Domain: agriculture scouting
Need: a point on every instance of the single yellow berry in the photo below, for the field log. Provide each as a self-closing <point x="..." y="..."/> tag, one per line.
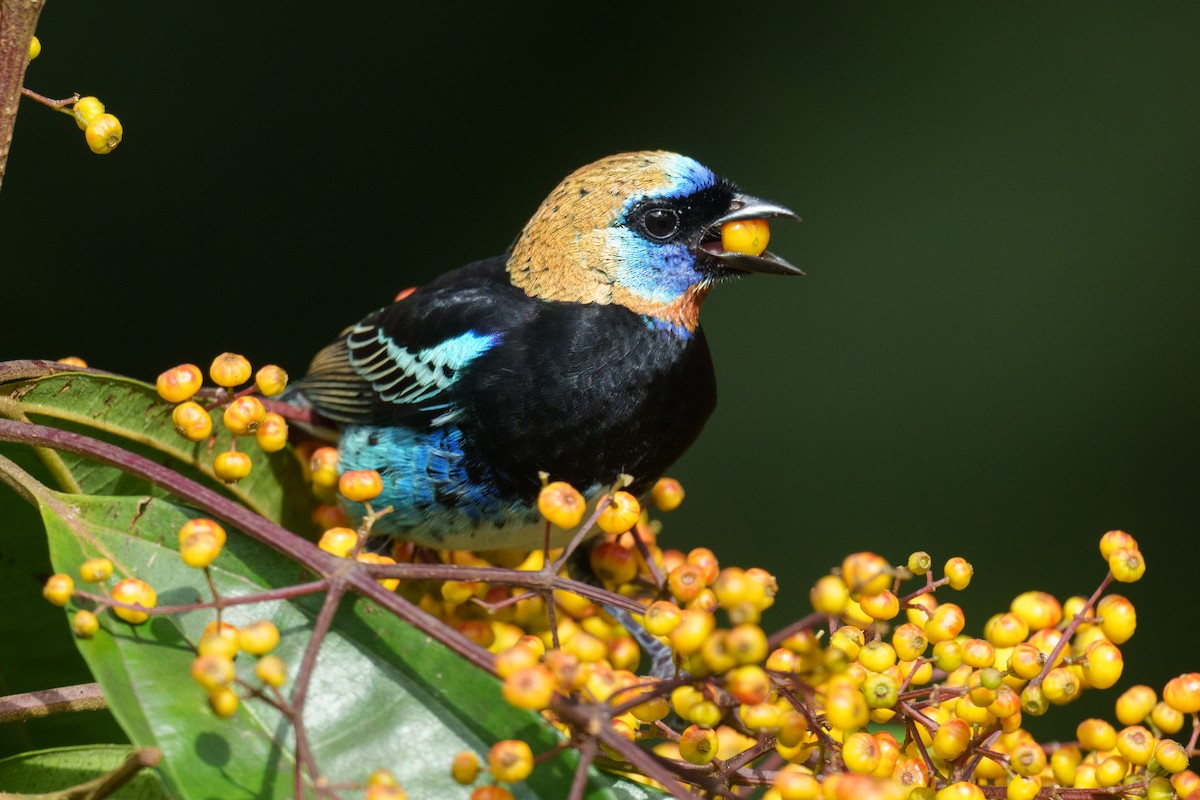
<point x="199" y="549"/>
<point x="1061" y="685"/>
<point x="1027" y="758"/>
<point x="360" y="485"/>
<point x="378" y="792"/>
<point x="1038" y="609"/>
<point x="1182" y="693"/>
<point x="829" y="595"/>
<point x="1127" y="565"/>
<point x="85" y="624"/>
<point x="1114" y="540"/>
<point x="613" y="562"/>
<point x="191" y="421"/>
<point x="951" y="739"/>
<point x="698" y="745"/>
<point x="59" y="588"/>
<point x="202" y="525"/>
<point x="531" y="688"/>
<point x="272" y="433"/>
<point x="211" y="670"/>
<point x="244" y="415"/>
<point x="1171" y="756"/>
<point x="1167" y="719"/>
<point x="224" y="629"/>
<point x="271" y="670"/>
<point x="561" y="504"/>
<point x="103" y="134"/>
<point x="95" y="570"/>
<point x="465" y="768"/>
<point x="1118" y="618"/>
<point x="270" y="380"/>
<point x="72" y="361"/>
<point x="1006" y="630"/>
<point x="510" y="760"/>
<point x="667" y="494"/>
<point x="958" y="572"/>
<point x="323" y="467"/>
<point x="1021" y="787"/>
<point x="882" y="606"/>
<point x="619" y="514"/>
<point x="1103" y="664"/>
<point x="231" y="466"/>
<point x="383" y="778"/>
<point x="339" y="541"/>
<point x="866" y="574"/>
<point x="749" y="236"/>
<point x="963" y="790"/>
<point x="946" y="622"/>
<point x="258" y="638"/>
<point x="35" y="48"/>
<point x="1096" y="734"/>
<point x="229" y="370"/>
<point x="1135" y="704"/>
<point x="662" y="617"/>
<point x="87" y="110"/>
<point x="223" y="701"/>
<point x="134" y="592"/>
<point x="179" y="383"/>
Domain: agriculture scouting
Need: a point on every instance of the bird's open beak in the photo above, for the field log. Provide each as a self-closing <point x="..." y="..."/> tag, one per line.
<point x="746" y="206"/>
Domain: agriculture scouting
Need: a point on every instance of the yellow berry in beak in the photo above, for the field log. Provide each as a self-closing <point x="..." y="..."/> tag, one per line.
<point x="749" y="236"/>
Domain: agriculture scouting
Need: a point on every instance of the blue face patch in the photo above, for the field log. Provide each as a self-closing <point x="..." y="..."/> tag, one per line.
<point x="686" y="176"/>
<point x="658" y="272"/>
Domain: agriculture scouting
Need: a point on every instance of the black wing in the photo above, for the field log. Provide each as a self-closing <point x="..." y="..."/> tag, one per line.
<point x="401" y="363"/>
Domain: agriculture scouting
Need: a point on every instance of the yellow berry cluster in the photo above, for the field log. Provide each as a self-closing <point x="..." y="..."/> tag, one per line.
<point x="101" y="130"/>
<point x="213" y="666"/>
<point x="243" y="415"/>
<point x="60" y="590"/>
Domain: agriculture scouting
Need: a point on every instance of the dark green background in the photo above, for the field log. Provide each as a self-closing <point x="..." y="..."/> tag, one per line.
<point x="994" y="353"/>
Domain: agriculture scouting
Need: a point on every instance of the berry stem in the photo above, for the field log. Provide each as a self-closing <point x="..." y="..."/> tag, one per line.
<point x="57" y="105"/>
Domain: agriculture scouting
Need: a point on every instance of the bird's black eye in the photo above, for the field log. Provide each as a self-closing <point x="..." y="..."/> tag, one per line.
<point x="661" y="223"/>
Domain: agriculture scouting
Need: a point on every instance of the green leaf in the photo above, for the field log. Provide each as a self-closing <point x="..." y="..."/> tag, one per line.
<point x="130" y="413"/>
<point x="36" y="650"/>
<point x="382" y="695"/>
<point x="48" y="771"/>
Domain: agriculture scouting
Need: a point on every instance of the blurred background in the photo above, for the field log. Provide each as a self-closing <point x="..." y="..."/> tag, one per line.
<point x="994" y="353"/>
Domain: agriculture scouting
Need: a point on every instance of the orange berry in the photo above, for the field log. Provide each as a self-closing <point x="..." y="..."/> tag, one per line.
<point x="270" y="380"/>
<point x="95" y="570"/>
<point x="465" y="768"/>
<point x="667" y="494"/>
<point x="748" y="684"/>
<point x="619" y="514"/>
<point x="244" y="415"/>
<point x="179" y="383"/>
<point x="614" y="563"/>
<point x="360" y="485"/>
<point x="561" y="504"/>
<point x="686" y="582"/>
<point x="1182" y="693"/>
<point x="59" y="589"/>
<point x="72" y="361"/>
<point x="191" y="421"/>
<point x="531" y="688"/>
<point x="510" y="760"/>
<point x="749" y="236"/>
<point x="272" y="433"/>
<point x="133" y="592"/>
<point x="229" y="370"/>
<point x="232" y="465"/>
<point x="977" y="653"/>
<point x="103" y="134"/>
<point x="491" y="792"/>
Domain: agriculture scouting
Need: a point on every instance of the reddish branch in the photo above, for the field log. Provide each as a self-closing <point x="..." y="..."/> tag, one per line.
<point x="18" y="21"/>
